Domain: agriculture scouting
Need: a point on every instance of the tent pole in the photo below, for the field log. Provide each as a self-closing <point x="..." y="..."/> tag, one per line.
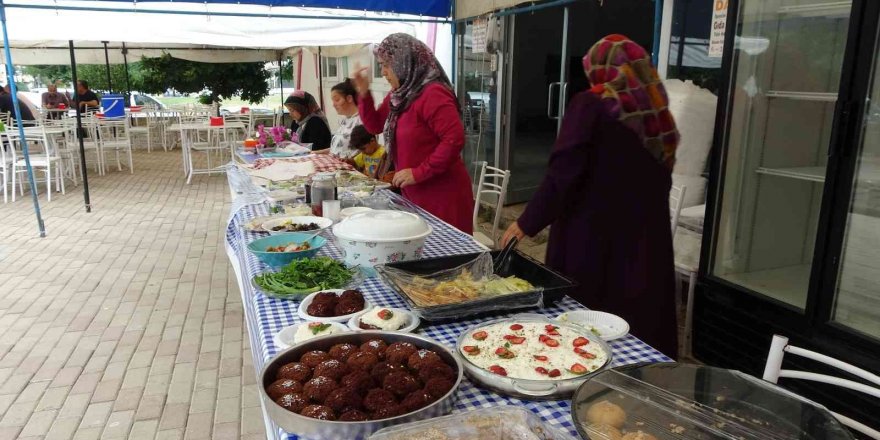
<point x="79" y="130"/>
<point x="10" y="72"/>
<point x="321" y="78"/>
<point x="127" y="78"/>
<point x="453" y="75"/>
<point x="281" y="79"/>
<point x="107" y="61"/>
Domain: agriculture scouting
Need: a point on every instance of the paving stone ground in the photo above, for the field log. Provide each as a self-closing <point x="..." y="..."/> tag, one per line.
<point x="125" y="322"/>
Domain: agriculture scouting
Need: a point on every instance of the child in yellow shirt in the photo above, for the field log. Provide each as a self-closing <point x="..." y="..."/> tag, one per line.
<point x="369" y="160"/>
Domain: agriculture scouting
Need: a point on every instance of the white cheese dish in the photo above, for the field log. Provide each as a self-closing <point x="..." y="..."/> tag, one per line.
<point x="533" y="350"/>
<point x="384" y="319"/>
<point x="295" y="334"/>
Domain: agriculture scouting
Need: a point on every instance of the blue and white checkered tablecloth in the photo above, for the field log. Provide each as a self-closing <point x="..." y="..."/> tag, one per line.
<point x="266" y="316"/>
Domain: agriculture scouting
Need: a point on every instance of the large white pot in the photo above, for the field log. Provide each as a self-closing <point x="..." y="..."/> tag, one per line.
<point x="381" y="236"/>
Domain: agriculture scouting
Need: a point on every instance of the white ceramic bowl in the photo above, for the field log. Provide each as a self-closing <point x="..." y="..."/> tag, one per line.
<point x="381" y="236"/>
<point x="323" y="223"/>
<point x="307" y="301"/>
<point x="607" y="326"/>
<point x="412" y="321"/>
<point x="285" y="338"/>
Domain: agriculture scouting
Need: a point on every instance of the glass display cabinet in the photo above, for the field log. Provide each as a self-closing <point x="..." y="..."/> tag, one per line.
<point x="792" y="238"/>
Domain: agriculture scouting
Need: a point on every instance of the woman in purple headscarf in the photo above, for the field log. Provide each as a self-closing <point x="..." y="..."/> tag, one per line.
<point x="309" y="122"/>
<point x="421" y="121"/>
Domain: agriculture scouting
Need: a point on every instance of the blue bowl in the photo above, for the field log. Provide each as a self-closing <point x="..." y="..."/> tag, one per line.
<point x="278" y="259"/>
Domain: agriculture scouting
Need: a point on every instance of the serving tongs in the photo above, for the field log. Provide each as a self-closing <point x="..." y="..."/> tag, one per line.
<point x="500" y="262"/>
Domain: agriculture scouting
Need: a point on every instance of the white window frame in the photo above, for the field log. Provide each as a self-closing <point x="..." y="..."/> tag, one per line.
<point x="325" y="68"/>
<point x="376" y="71"/>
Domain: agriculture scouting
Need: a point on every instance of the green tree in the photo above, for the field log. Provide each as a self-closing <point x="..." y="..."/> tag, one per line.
<point x="94" y="74"/>
<point x="216" y="80"/>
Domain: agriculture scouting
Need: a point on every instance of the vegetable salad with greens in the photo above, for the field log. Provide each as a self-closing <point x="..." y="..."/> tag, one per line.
<point x="302" y="277"/>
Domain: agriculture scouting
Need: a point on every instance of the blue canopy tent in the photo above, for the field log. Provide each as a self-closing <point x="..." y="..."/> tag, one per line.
<point x="339" y="10"/>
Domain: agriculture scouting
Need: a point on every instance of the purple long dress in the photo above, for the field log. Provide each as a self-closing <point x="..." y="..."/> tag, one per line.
<point x="607" y="199"/>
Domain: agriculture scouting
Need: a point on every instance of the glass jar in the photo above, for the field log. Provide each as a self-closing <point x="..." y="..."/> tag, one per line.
<point x="323" y="188"/>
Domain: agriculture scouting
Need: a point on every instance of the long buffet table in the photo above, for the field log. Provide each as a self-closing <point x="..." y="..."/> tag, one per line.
<point x="266" y="316"/>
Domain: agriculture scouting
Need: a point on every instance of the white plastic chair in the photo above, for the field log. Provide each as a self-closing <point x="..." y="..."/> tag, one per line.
<point x="7" y="165"/>
<point x="773" y="371"/>
<point x="144" y="127"/>
<point x="46" y="161"/>
<point x="491" y="182"/>
<point x="676" y="198"/>
<point x="114" y="136"/>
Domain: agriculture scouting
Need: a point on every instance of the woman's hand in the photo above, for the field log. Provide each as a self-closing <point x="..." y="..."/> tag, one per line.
<point x="404" y="178"/>
<point x="361" y="79"/>
<point x="512" y="231"/>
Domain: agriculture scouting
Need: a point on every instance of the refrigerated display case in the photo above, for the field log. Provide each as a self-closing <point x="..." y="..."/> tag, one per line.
<point x="792" y="238"/>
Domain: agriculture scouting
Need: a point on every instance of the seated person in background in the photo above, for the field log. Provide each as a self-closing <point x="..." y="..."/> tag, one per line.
<point x="309" y="122"/>
<point x="371" y="155"/>
<point x="88" y="100"/>
<point x="6" y="106"/>
<point x="52" y="99"/>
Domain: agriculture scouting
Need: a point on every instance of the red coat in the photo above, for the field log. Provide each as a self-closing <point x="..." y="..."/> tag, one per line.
<point x="430" y="137"/>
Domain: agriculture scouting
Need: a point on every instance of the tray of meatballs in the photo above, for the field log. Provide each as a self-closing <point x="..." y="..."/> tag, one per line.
<point x="346" y="386"/>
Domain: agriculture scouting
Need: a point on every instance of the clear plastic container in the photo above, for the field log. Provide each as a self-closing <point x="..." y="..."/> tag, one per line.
<point x="682" y="401"/>
<point x="496" y="423"/>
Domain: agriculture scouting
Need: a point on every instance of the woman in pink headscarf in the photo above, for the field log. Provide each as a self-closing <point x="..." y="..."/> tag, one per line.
<point x="606" y="193"/>
<point x="421" y="121"/>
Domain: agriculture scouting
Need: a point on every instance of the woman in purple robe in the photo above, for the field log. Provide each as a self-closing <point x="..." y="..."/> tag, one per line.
<point x="606" y="193"/>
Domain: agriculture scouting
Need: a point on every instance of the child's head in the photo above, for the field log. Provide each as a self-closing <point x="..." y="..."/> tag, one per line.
<point x="363" y="141"/>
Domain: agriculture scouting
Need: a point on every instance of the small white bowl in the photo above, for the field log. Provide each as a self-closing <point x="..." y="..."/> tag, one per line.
<point x="284" y="338"/>
<point x="323" y="223"/>
<point x="307" y="301"/>
<point x="608" y="326"/>
<point x="412" y="321"/>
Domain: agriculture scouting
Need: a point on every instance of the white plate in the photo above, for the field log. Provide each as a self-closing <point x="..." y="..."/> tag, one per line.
<point x="284" y="339"/>
<point x="323" y="223"/>
<point x="412" y="321"/>
<point x="610" y="327"/>
<point x="307" y="301"/>
<point x="256" y="224"/>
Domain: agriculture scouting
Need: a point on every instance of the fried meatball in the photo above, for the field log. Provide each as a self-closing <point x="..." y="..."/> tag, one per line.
<point x="378" y="398"/>
<point x="294" y="371"/>
<point x="438" y="387"/>
<point x="353" y="416"/>
<point x="319" y="388"/>
<point x="321" y="310"/>
<point x="383" y="369"/>
<point x="399" y="352"/>
<point x="313" y="358"/>
<point x="347" y="308"/>
<point x="606" y="413"/>
<point x="423" y="357"/>
<point x="343" y="399"/>
<point x="352" y="296"/>
<point x="319" y="412"/>
<point x="431" y="370"/>
<point x="386" y="412"/>
<point x="331" y="368"/>
<point x="363" y="361"/>
<point x="416" y="400"/>
<point x="326" y="298"/>
<point x="377" y="346"/>
<point x="294" y="402"/>
<point x="359" y="381"/>
<point x="401" y="383"/>
<point x="283" y="386"/>
<point x="341" y="352"/>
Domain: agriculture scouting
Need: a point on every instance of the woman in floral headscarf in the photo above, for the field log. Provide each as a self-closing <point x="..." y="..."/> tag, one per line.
<point x="421" y="121"/>
<point x="606" y="193"/>
<point x="309" y="122"/>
